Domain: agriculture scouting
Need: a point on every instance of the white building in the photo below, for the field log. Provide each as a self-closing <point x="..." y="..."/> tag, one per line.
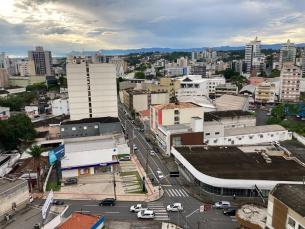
<point x="31" y="110"/>
<point x="4" y="112"/>
<point x="4" y="62"/>
<point x="182" y="62"/>
<point x="287" y="53"/>
<point x="98" y="57"/>
<point x="192" y="91"/>
<point x="216" y="134"/>
<point x="60" y="107"/>
<point x="92" y="88"/>
<point x="232" y="102"/>
<point x="15" y="89"/>
<point x="253" y="56"/>
<point x="42" y="60"/>
<point x="119" y="66"/>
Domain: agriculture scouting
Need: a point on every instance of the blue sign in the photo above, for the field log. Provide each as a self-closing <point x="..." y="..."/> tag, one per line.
<point x="143" y="183"/>
<point x="57" y="154"/>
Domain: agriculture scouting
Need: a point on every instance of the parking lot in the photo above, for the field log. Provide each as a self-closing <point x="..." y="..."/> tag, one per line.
<point x="262" y="117"/>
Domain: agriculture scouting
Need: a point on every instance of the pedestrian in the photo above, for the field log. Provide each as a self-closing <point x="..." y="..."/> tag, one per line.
<point x="234" y="196"/>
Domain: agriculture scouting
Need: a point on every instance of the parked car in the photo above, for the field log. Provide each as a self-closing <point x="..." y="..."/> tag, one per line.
<point x="137" y="208"/>
<point x="146" y="214"/>
<point x="107" y="201"/>
<point x="229" y="211"/>
<point x="58" y="202"/>
<point x="135" y="147"/>
<point x="174" y="207"/>
<point x="125" y="158"/>
<point x="222" y="204"/>
<point x="298" y="116"/>
<point x="159" y="175"/>
<point x="147" y="139"/>
<point x="152" y="153"/>
<point x="36" y="116"/>
<point x="132" y="121"/>
<point x="71" y="181"/>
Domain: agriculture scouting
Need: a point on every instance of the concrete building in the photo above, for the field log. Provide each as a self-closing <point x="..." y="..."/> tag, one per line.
<point x="15" y="89"/>
<point x="265" y="92"/>
<point x="216" y="134"/>
<point x="3" y="78"/>
<point x="177" y="71"/>
<point x="290" y="83"/>
<point x="287" y="53"/>
<point x="98" y="58"/>
<point x="171" y="113"/>
<point x="4" y="113"/>
<point x="42" y="60"/>
<point x="195" y="55"/>
<point x="284" y="208"/>
<point x="303" y="65"/>
<point x="182" y="62"/>
<point x="232" y="102"/>
<point x="180" y="134"/>
<point x="227" y="88"/>
<point x="60" y="107"/>
<point x="101" y="155"/>
<point x="4" y="62"/>
<point x="231" y="119"/>
<point x="253" y="56"/>
<point x="92" y="88"/>
<point x="233" y="170"/>
<point x="119" y="66"/>
<point x="199" y="70"/>
<point x="248" y="90"/>
<point x="202" y="101"/>
<point x="166" y="85"/>
<point x="255" y="80"/>
<point x="14" y="195"/>
<point x="192" y="91"/>
<point x="142" y="99"/>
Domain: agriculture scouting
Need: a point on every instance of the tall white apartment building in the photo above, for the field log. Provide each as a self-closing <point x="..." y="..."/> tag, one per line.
<point x="98" y="57"/>
<point x="290" y="79"/>
<point x="92" y="88"/>
<point x="253" y="56"/>
<point x="195" y="55"/>
<point x="182" y="62"/>
<point x="287" y="53"/>
<point x="4" y="62"/>
<point x="119" y="66"/>
<point x="42" y="60"/>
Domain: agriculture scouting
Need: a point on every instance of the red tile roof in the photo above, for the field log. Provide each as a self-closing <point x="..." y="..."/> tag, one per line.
<point x="80" y="221"/>
<point x="145" y="112"/>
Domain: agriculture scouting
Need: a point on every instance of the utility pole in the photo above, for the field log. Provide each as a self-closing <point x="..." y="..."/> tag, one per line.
<point x="114" y="184"/>
<point x="146" y="161"/>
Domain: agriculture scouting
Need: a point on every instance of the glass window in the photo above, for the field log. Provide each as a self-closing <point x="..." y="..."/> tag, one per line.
<point x="207" y="133"/>
<point x="73" y="128"/>
<point x="62" y="129"/>
<point x="177" y="141"/>
<point x="216" y="132"/>
<point x="95" y="127"/>
<point x="291" y="222"/>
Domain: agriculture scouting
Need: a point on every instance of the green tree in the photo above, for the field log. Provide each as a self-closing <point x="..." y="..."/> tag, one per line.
<point x="275" y="73"/>
<point x="133" y="113"/>
<point x="139" y="75"/>
<point x="273" y="120"/>
<point x="279" y="111"/>
<point x="229" y="73"/>
<point x="63" y="81"/>
<point x="5" y="136"/>
<point x="35" y="152"/>
<point x="263" y="74"/>
<point x="173" y="99"/>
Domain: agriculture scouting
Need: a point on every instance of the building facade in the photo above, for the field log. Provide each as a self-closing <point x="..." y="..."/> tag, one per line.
<point x="253" y="56"/>
<point x="60" y="107"/>
<point x="4" y="113"/>
<point x="3" y="78"/>
<point x="98" y="58"/>
<point x="290" y="82"/>
<point x="182" y="62"/>
<point x="166" y="85"/>
<point x="92" y="88"/>
<point x="265" y="92"/>
<point x="287" y="53"/>
<point x="227" y="88"/>
<point x="42" y="60"/>
<point x="119" y="66"/>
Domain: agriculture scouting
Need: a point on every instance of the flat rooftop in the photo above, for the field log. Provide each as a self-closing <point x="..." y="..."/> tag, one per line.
<point x="91" y="120"/>
<point x="233" y="163"/>
<point x="292" y="195"/>
<point x="253" y="130"/>
<point x="173" y="106"/>
<point x="230" y="102"/>
<point x="218" y="115"/>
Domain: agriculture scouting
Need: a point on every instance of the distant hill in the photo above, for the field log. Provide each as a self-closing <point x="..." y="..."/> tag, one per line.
<point x="169" y="50"/>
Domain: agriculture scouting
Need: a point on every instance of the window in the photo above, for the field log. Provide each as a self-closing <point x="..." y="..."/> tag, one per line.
<point x="95" y="127"/>
<point x="176" y="119"/>
<point x="301" y="227"/>
<point x="62" y="129"/>
<point x="85" y="128"/>
<point x="291" y="222"/>
<point x="207" y="134"/>
<point x="176" y="112"/>
<point x="177" y="141"/>
<point x="73" y="128"/>
<point x="216" y="133"/>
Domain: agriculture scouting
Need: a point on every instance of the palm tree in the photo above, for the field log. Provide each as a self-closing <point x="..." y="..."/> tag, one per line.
<point x="35" y="152"/>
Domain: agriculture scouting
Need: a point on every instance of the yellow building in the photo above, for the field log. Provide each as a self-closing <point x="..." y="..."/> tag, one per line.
<point x="166" y="85"/>
<point x="265" y="92"/>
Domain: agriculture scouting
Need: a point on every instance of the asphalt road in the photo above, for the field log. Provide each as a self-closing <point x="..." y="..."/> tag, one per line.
<point x="174" y="192"/>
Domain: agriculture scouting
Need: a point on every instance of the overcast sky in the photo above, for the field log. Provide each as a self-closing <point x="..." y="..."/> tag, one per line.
<point x="65" y="25"/>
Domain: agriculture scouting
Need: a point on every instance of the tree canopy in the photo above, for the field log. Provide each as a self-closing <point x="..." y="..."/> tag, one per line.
<point x="139" y="75"/>
<point x="37" y="87"/>
<point x="15" y="102"/>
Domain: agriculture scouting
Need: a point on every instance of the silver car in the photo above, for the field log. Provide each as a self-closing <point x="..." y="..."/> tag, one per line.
<point x="222" y="204"/>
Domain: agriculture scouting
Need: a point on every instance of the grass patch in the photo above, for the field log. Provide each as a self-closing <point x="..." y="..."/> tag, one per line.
<point x="53" y="185"/>
<point x="139" y="181"/>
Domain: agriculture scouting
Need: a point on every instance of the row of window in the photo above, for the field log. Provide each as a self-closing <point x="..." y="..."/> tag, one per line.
<point x="216" y="133"/>
<point x="84" y="127"/>
<point x="291" y="222"/>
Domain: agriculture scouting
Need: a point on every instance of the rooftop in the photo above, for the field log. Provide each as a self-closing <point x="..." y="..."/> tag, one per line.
<point x="250" y="88"/>
<point x="253" y="213"/>
<point x="91" y="120"/>
<point x="177" y="128"/>
<point x="29" y="163"/>
<point x="52" y="121"/>
<point x="12" y="87"/>
<point x="233" y="163"/>
<point x="145" y="112"/>
<point x="169" y="106"/>
<point x="291" y="195"/>
<point x="139" y="92"/>
<point x="253" y="130"/>
<point x="230" y="102"/>
<point x="80" y="221"/>
<point x="199" y="100"/>
<point x="89" y="145"/>
<point x="217" y="115"/>
<point x="42" y="134"/>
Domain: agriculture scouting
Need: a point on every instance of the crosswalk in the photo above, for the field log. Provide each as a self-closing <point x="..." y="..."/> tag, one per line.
<point x="159" y="210"/>
<point x="176" y="192"/>
<point x="233" y="218"/>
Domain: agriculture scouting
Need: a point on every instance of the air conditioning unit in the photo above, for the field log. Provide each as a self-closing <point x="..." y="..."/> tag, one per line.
<point x="7" y="217"/>
<point x="37" y="226"/>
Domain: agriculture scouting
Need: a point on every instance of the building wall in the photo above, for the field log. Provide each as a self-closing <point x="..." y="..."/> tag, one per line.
<point x="110" y="127"/>
<point x="3" y="78"/>
<point x="140" y="102"/>
<point x="188" y="138"/>
<point x="79" y="130"/>
<point x="16" y="90"/>
<point x="53" y="131"/>
<point x="192" y="92"/>
<point x="210" y="131"/>
<point x="4" y="112"/>
<point x="265" y="92"/>
<point x="237" y="122"/>
<point x="159" y="98"/>
<point x="70" y="173"/>
<point x="60" y="106"/>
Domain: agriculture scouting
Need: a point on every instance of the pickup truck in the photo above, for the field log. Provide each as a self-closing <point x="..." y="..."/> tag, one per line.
<point x="138" y="208"/>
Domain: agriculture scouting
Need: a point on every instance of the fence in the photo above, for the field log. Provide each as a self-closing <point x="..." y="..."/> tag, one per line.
<point x="299" y="138"/>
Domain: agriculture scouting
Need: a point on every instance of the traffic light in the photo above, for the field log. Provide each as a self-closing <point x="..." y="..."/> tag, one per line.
<point x="174" y="174"/>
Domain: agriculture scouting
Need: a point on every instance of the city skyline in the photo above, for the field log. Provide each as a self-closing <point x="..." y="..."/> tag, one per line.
<point x="63" y="25"/>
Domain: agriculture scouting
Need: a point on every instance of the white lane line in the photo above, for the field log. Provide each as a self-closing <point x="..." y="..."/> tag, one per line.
<point x="178" y="192"/>
<point x="170" y="192"/>
<point x="112" y="212"/>
<point x="82" y="211"/>
<point x="181" y="193"/>
<point x="167" y="193"/>
<point x="91" y="205"/>
<point x="234" y="219"/>
<point x="161" y="218"/>
<point x="185" y="193"/>
<point x="174" y="192"/>
<point x="160" y="211"/>
<point x="167" y="185"/>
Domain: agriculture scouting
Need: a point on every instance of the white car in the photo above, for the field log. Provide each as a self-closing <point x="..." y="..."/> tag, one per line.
<point x="152" y="153"/>
<point x="222" y="204"/>
<point x="137" y="208"/>
<point x="146" y="214"/>
<point x="159" y="175"/>
<point x="135" y="147"/>
<point x="174" y="207"/>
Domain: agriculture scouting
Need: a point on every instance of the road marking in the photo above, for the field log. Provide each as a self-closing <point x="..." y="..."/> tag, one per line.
<point x="112" y="212"/>
<point x="178" y="192"/>
<point x="170" y="192"/>
<point x="167" y="193"/>
<point x="158" y="213"/>
<point x="185" y="193"/>
<point x="82" y="211"/>
<point x="181" y="193"/>
<point x="174" y="192"/>
<point x="90" y="205"/>
<point x="167" y="185"/>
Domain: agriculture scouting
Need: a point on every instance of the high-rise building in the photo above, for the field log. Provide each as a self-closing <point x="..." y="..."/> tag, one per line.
<point x="303" y="65"/>
<point x="98" y="57"/>
<point x="92" y="88"/>
<point x="290" y="79"/>
<point x="182" y="62"/>
<point x="3" y="78"/>
<point x="4" y="62"/>
<point x="195" y="55"/>
<point x="200" y="70"/>
<point x="287" y="53"/>
<point x="253" y="56"/>
<point x="119" y="66"/>
<point x="42" y="60"/>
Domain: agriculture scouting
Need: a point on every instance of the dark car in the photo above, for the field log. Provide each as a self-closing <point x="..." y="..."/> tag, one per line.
<point x="229" y="211"/>
<point x="147" y="139"/>
<point x="71" y="181"/>
<point x="57" y="202"/>
<point x="107" y="201"/>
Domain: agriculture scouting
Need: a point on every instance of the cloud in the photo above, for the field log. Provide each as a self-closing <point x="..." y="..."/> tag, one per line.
<point x="161" y="18"/>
